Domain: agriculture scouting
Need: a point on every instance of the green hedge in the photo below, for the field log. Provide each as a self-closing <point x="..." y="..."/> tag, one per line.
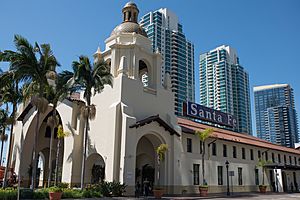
<point x="97" y="190"/>
<point x="8" y="194"/>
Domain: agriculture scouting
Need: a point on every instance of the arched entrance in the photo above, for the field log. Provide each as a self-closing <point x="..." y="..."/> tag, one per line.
<point x="146" y="163"/>
<point x="284" y="182"/>
<point x="95" y="169"/>
<point x="42" y="149"/>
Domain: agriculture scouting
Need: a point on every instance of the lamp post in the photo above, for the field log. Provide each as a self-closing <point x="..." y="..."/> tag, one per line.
<point x="227" y="166"/>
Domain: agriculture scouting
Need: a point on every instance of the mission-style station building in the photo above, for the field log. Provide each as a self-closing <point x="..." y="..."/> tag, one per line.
<point x="133" y="118"/>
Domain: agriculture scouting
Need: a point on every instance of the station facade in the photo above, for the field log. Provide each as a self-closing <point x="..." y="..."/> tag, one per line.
<point x="133" y="118"/>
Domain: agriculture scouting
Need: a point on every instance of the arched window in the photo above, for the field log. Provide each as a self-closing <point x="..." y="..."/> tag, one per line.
<point x="143" y="73"/>
<point x="48" y="132"/>
<point x="129" y="16"/>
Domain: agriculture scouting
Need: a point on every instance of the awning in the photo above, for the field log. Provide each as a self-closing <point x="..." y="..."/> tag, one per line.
<point x="157" y="119"/>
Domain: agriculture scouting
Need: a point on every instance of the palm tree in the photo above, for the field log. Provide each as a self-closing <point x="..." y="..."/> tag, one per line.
<point x="203" y="136"/>
<point x="3" y="136"/>
<point x="262" y="163"/>
<point x="31" y="65"/>
<point x="160" y="151"/>
<point x="60" y="136"/>
<point x="13" y="95"/>
<point x="91" y="78"/>
<point x="55" y="94"/>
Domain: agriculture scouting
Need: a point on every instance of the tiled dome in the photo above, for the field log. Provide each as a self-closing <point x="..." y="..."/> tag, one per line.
<point x="129" y="27"/>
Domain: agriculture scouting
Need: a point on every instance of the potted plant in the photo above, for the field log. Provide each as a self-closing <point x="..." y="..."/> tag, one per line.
<point x="203" y="135"/>
<point x="160" y="151"/>
<point x="55" y="193"/>
<point x="262" y="163"/>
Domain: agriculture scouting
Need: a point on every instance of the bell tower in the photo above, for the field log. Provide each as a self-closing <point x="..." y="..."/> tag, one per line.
<point x="130" y="51"/>
<point x="137" y="94"/>
<point x="130" y="12"/>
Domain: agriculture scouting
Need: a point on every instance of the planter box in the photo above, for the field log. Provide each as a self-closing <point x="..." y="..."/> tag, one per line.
<point x="158" y="193"/>
<point x="55" y="195"/>
<point x="203" y="191"/>
<point x="262" y="188"/>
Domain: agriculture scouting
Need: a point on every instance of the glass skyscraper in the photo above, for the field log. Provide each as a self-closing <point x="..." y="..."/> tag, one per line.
<point x="224" y="85"/>
<point x="276" y="117"/>
<point x="166" y="33"/>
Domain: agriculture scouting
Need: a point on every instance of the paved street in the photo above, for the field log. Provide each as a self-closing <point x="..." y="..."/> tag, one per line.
<point x="250" y="196"/>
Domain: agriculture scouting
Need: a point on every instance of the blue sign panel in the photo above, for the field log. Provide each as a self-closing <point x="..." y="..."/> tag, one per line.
<point x="197" y="111"/>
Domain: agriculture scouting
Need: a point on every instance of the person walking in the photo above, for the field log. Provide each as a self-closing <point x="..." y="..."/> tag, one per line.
<point x="137" y="189"/>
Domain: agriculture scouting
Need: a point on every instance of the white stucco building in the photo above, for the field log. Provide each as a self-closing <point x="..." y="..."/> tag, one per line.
<point x="133" y="118"/>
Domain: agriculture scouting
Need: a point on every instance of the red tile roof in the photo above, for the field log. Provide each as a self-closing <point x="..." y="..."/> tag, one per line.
<point x="234" y="136"/>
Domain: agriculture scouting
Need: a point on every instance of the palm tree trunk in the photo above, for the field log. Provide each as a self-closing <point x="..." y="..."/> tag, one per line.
<point x="84" y="146"/>
<point x="34" y="157"/>
<point x="57" y="162"/>
<point x="10" y="147"/>
<point x="21" y="153"/>
<point x="263" y="176"/>
<point x="203" y="171"/>
<point x="51" y="144"/>
<point x="84" y="151"/>
<point x="158" y="172"/>
<point x="1" y="151"/>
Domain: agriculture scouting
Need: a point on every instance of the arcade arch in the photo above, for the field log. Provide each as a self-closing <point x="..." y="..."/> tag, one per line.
<point x="42" y="149"/>
<point x="146" y="161"/>
<point x="95" y="168"/>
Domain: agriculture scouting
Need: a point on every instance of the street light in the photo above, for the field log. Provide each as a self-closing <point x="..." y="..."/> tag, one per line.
<point x="227" y="166"/>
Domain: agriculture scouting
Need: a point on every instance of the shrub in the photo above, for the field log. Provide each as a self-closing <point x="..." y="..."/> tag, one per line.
<point x="8" y="194"/>
<point x="55" y="189"/>
<point x="108" y="189"/>
<point x="71" y="193"/>
<point x="117" y="189"/>
<point x="41" y="193"/>
<point x="86" y="194"/>
<point x="105" y="189"/>
<point x="26" y="193"/>
<point x="91" y="192"/>
<point x="63" y="185"/>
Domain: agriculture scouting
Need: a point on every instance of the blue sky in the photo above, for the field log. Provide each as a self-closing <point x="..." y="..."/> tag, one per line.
<point x="266" y="34"/>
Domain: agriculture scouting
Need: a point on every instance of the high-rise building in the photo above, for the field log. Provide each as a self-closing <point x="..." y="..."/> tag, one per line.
<point x="276" y="117"/>
<point x="166" y="33"/>
<point x="224" y="85"/>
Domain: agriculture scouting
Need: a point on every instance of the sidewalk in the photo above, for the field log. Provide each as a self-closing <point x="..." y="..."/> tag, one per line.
<point x="220" y="196"/>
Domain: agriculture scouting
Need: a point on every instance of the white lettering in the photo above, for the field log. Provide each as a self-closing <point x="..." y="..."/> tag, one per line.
<point x="208" y="115"/>
<point x="229" y="119"/>
<point x="234" y="123"/>
<point x="214" y="116"/>
<point x="220" y="118"/>
<point x="193" y="109"/>
<point x="201" y="113"/>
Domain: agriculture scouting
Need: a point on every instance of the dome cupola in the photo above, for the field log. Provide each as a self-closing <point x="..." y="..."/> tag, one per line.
<point x="130" y="18"/>
<point x="130" y="12"/>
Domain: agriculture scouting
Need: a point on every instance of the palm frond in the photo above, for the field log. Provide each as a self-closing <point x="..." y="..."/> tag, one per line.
<point x="161" y="151"/>
<point x="203" y="135"/>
